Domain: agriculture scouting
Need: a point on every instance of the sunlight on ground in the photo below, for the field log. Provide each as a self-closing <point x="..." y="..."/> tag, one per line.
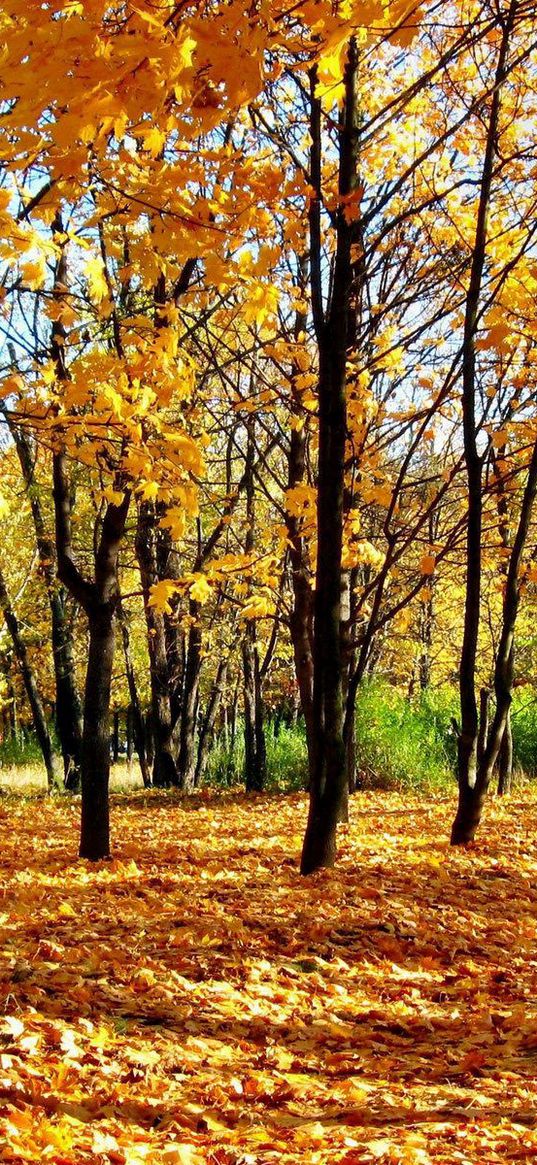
<point x="33" y="777"/>
<point x="196" y="1001"/>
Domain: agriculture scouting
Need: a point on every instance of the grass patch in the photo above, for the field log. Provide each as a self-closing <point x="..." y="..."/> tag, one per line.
<point x="402" y="743"/>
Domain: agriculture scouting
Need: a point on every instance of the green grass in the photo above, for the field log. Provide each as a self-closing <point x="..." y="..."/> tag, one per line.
<point x="287" y="765"/>
<point x="402" y="743"/>
<point x="22" y="750"/>
<point x="524" y="724"/>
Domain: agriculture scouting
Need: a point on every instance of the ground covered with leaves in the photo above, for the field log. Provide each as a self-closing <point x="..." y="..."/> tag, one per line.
<point x="195" y="1000"/>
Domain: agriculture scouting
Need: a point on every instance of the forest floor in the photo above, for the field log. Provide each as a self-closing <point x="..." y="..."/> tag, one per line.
<point x="195" y="1001"/>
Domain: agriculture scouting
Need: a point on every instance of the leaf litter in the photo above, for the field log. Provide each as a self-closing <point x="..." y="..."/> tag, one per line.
<point x="195" y="1000"/>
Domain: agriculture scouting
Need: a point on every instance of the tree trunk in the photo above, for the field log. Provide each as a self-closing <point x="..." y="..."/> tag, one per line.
<point x="328" y="773"/>
<point x="149" y="741"/>
<point x="505" y="759"/>
<point x="186" y="764"/>
<point x="95" y="825"/>
<point x="255" y="755"/>
<point x="30" y="684"/>
<point x="474" y="772"/>
<point x="135" y="718"/>
<point x="68" y="705"/>
<point x="164" y="767"/>
<point x="301" y="620"/>
<point x="130" y="735"/>
<point x="115" y="738"/>
<point x="207" y="728"/>
<point x="99" y="599"/>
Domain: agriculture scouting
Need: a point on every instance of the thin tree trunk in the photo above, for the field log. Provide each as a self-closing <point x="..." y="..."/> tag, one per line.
<point x="149" y="738"/>
<point x="99" y="599"/>
<point x="68" y="704"/>
<point x="328" y="776"/>
<point x="301" y="620"/>
<point x="164" y="767"/>
<point x="95" y="825"/>
<point x="186" y="764"/>
<point x="505" y="758"/>
<point x="135" y="718"/>
<point x="130" y="735"/>
<point x="255" y="756"/>
<point x="115" y="738"/>
<point x="472" y="791"/>
<point x="209" y="721"/>
<point x="30" y="684"/>
<point x="473" y="796"/>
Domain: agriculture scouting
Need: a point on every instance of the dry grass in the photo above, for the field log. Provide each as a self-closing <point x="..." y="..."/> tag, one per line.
<point x="32" y="778"/>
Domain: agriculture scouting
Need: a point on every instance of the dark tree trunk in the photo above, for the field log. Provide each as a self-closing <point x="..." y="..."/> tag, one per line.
<point x="233" y="720"/>
<point x="209" y="721"/>
<point x="328" y="774"/>
<point x="426" y="639"/>
<point x="167" y="563"/>
<point x="30" y="684"/>
<point x="164" y="767"/>
<point x="186" y="764"/>
<point x="99" y="599"/>
<point x="135" y="718"/>
<point x="505" y="756"/>
<point x="474" y="772"/>
<point x="149" y="740"/>
<point x="255" y="755"/>
<point x="14" y="728"/>
<point x="115" y="738"/>
<point x="95" y="825"/>
<point x="472" y="795"/>
<point x="130" y="734"/>
<point x="505" y="759"/>
<point x="68" y="704"/>
<point x="350" y="744"/>
<point x="301" y="620"/>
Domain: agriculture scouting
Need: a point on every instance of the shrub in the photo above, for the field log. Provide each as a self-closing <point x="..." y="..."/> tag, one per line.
<point x="402" y="743"/>
<point x="287" y="764"/>
<point x="21" y="750"/>
<point x="524" y="725"/>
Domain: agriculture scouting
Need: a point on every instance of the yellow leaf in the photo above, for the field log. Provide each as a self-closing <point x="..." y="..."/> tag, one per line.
<point x="65" y="910"/>
<point x="200" y="589"/>
<point x="161" y="593"/>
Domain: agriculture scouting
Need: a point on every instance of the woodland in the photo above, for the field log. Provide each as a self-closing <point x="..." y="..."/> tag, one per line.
<point x="268" y="581"/>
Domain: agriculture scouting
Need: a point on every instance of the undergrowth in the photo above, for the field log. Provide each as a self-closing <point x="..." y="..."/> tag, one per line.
<point x="401" y="744"/>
